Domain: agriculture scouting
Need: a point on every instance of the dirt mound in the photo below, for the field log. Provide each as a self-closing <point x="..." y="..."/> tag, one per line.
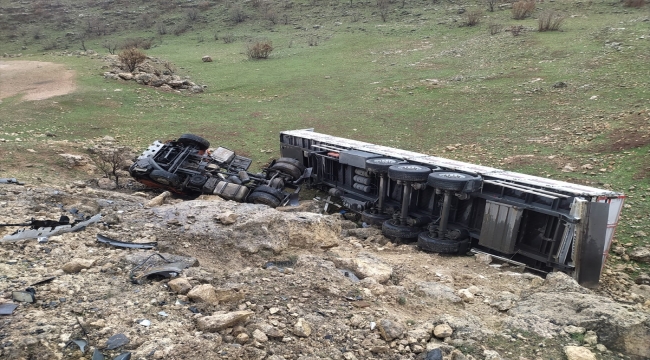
<point x="37" y="80"/>
<point x="250" y="282"/>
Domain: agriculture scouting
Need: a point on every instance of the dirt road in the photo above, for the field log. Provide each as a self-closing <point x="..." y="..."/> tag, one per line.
<point x="36" y="80"/>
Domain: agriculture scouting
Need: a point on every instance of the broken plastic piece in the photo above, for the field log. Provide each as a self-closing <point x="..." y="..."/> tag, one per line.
<point x="106" y="240"/>
<point x="171" y="269"/>
<point x="97" y="355"/>
<point x="81" y="343"/>
<point x="47" y="228"/>
<point x="11" y="181"/>
<point x="116" y="341"/>
<point x="44" y="281"/>
<point x="145" y="323"/>
<point x="24" y="296"/>
<point x="7" y="308"/>
<point x="123" y="356"/>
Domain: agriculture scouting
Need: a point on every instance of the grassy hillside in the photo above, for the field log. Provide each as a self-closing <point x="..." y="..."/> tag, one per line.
<point x="421" y="80"/>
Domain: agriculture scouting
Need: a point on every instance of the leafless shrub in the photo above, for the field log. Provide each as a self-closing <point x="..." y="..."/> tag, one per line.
<point x="495" y="28"/>
<point x="285" y="19"/>
<point x="38" y="33"/>
<point x="260" y="49"/>
<point x="146" y="21"/>
<point x="161" y="28"/>
<point x="356" y="16"/>
<point x="237" y="14"/>
<point x="181" y="28"/>
<point x="203" y="6"/>
<point x="256" y="3"/>
<point x="96" y="26"/>
<point x="110" y="45"/>
<point x="200" y="38"/>
<point x="271" y="16"/>
<point x="50" y="45"/>
<point x="131" y="58"/>
<point x="550" y="21"/>
<point x="228" y="38"/>
<point x="287" y="4"/>
<point x="516" y="30"/>
<point x="140" y="43"/>
<point x="169" y="67"/>
<point x="312" y="40"/>
<point x="491" y="4"/>
<point x="522" y="9"/>
<point x="383" y="8"/>
<point x="473" y="17"/>
<point x="193" y="14"/>
<point x="634" y="3"/>
<point x="110" y="161"/>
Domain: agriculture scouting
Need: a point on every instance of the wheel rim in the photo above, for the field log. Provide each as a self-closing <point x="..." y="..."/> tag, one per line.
<point x="452" y="175"/>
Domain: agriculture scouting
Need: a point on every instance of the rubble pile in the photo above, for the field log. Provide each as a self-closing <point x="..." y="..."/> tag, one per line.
<point x="244" y="281"/>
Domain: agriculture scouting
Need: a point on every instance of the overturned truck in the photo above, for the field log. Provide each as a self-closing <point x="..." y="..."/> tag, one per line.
<point x="450" y="206"/>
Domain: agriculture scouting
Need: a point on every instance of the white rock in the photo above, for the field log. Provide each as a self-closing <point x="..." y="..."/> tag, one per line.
<point x="578" y="353"/>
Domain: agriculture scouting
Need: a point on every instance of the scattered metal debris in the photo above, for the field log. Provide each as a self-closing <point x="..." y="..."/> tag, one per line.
<point x="350" y="275"/>
<point x="11" y="181"/>
<point x="7" y="308"/>
<point x="47" y="228"/>
<point x="97" y="355"/>
<point x="117" y="243"/>
<point x="171" y="269"/>
<point x="116" y="341"/>
<point x="81" y="343"/>
<point x="123" y="356"/>
<point x="44" y="281"/>
<point x="27" y="296"/>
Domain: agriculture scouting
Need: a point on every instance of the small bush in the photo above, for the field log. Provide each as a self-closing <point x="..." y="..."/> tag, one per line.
<point x="110" y="45"/>
<point x="181" y="28"/>
<point x="271" y="16"/>
<point x="146" y="21"/>
<point x="550" y="21"/>
<point x="228" y="38"/>
<point x="139" y="43"/>
<point x="204" y="5"/>
<point x="131" y="58"/>
<point x="490" y="4"/>
<point x="312" y="40"/>
<point x="633" y="3"/>
<point x="495" y="28"/>
<point x="516" y="30"/>
<point x="260" y="49"/>
<point x="111" y="161"/>
<point x="237" y="14"/>
<point x="162" y="29"/>
<point x="192" y="14"/>
<point x="473" y="17"/>
<point x="522" y="9"/>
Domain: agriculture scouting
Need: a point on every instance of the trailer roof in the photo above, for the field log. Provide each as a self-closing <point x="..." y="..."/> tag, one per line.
<point x="575" y="189"/>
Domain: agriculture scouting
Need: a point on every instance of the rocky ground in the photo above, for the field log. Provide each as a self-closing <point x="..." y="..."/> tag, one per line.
<point x="258" y="283"/>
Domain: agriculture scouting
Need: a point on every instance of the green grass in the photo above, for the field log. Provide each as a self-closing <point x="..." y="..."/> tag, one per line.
<point x="367" y="80"/>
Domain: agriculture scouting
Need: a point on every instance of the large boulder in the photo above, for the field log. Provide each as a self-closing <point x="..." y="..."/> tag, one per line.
<point x="366" y="265"/>
<point x="257" y="228"/>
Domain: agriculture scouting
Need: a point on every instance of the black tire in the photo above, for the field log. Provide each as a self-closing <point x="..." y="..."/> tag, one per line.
<point x="198" y="180"/>
<point x="288" y="169"/>
<point x="258" y="197"/>
<point x="271" y="191"/>
<point x="292" y="161"/>
<point x="193" y="140"/>
<point x="449" y="180"/>
<point x="381" y="165"/>
<point x="392" y="230"/>
<point x="374" y="219"/>
<point x="441" y="246"/>
<point x="165" y="178"/>
<point x="408" y="172"/>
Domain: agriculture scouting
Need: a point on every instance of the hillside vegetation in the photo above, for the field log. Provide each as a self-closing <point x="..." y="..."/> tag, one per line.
<point x="451" y="79"/>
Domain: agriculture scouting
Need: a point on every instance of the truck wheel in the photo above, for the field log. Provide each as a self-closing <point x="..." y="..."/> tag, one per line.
<point x="374" y="219"/>
<point x="447" y="180"/>
<point x="292" y="161"/>
<point x="408" y="172"/>
<point x="442" y="246"/>
<point x="271" y="191"/>
<point x="165" y="178"/>
<point x="258" y="197"/>
<point x="288" y="169"/>
<point x="193" y="140"/>
<point x="381" y="165"/>
<point x="390" y="229"/>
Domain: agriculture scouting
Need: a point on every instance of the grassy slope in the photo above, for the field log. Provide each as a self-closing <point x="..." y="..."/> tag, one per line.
<point x="367" y="80"/>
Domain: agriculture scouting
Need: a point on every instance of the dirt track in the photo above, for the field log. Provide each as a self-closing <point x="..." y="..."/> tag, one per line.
<point x="37" y="80"/>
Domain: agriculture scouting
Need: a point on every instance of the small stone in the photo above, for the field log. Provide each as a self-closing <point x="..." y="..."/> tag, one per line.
<point x="227" y="218"/>
<point x="466" y="295"/>
<point x="77" y="265"/>
<point x="442" y="331"/>
<point x="302" y="328"/>
<point x="260" y="336"/>
<point x="220" y="320"/>
<point x="601" y="347"/>
<point x="242" y="338"/>
<point x="205" y="293"/>
<point x="483" y="258"/>
<point x="273" y="310"/>
<point x="591" y="338"/>
<point x="491" y="355"/>
<point x="578" y="353"/>
<point x="159" y="200"/>
<point x="206" y="58"/>
<point x="180" y="285"/>
<point x="390" y="330"/>
<point x="574" y="330"/>
<point x="349" y="356"/>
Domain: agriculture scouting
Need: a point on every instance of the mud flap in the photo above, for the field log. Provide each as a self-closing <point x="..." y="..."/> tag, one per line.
<point x="590" y="244"/>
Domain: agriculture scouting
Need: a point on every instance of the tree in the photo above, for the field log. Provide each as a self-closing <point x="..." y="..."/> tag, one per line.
<point x="110" y="45"/>
<point x="110" y="161"/>
<point x="491" y="4"/>
<point x="131" y="58"/>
